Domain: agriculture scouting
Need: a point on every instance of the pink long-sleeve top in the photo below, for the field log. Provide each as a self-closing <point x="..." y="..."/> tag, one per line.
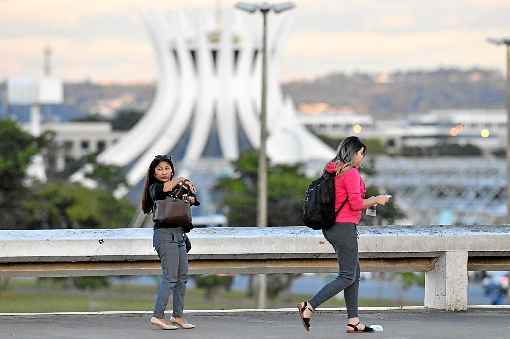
<point x="348" y="185"/>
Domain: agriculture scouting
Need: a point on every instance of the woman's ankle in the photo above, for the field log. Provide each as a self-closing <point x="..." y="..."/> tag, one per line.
<point x="309" y="310"/>
<point x="309" y="304"/>
<point x="353" y="320"/>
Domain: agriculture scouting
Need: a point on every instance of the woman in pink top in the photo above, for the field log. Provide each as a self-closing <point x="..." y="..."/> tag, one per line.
<point x="343" y="235"/>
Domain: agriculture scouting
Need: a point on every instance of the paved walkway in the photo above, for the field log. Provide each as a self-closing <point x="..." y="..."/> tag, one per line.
<point x="401" y="324"/>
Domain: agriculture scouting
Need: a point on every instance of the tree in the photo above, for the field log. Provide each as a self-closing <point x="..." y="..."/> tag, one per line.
<point x="285" y="194"/>
<point x="387" y="215"/>
<point x="57" y="203"/>
<point x="108" y="177"/>
<point x="70" y="205"/>
<point x="213" y="283"/>
<point x="442" y="149"/>
<point x="17" y="148"/>
<point x="125" y="119"/>
<point x="91" y="118"/>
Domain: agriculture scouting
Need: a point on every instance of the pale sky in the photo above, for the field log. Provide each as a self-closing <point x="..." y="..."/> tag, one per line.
<point x="106" y="40"/>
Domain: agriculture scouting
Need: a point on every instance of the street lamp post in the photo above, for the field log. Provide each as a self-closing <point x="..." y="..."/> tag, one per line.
<point x="506" y="41"/>
<point x="264" y="8"/>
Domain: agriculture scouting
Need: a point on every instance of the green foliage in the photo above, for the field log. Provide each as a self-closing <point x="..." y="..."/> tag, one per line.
<point x="90" y="283"/>
<point x="410" y="278"/>
<point x="79" y="283"/>
<point x="278" y="283"/>
<point x="25" y="295"/>
<point x="286" y="187"/>
<point x="125" y="119"/>
<point x="56" y="204"/>
<point x="107" y="177"/>
<point x="69" y="205"/>
<point x="4" y="283"/>
<point x="213" y="283"/>
<point x="444" y="149"/>
<point x="91" y="118"/>
<point x="387" y="214"/>
<point x="17" y="148"/>
<point x="499" y="153"/>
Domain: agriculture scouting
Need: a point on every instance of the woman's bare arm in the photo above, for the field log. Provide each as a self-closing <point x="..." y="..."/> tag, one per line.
<point x="376" y="200"/>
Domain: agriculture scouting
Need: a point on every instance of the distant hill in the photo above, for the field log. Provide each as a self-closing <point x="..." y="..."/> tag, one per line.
<point x="382" y="95"/>
<point x="404" y="92"/>
<point x="89" y="96"/>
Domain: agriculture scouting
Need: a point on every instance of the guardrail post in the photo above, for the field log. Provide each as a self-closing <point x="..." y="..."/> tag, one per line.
<point x="446" y="286"/>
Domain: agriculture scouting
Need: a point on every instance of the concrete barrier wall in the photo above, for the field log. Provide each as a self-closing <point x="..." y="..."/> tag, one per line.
<point x="443" y="252"/>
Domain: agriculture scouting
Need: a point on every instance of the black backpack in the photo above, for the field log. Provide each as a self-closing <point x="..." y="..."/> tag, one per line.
<point x="319" y="204"/>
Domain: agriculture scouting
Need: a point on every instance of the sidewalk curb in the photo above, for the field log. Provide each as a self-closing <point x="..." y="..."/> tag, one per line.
<point x="255" y="310"/>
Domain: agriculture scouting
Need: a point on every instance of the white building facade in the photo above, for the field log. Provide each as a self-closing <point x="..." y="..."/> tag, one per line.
<point x="74" y="140"/>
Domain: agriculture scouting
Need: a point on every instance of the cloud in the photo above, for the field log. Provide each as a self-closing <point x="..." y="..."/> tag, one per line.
<point x="100" y="59"/>
<point x="489" y="3"/>
<point x="397" y="22"/>
<point x="377" y="51"/>
<point x="104" y="38"/>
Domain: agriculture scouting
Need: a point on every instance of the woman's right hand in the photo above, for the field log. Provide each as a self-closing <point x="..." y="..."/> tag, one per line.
<point x="181" y="180"/>
<point x="189" y="183"/>
<point x="382" y="199"/>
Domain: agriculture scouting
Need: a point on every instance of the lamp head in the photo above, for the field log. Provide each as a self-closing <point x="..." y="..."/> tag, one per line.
<point x="244" y="6"/>
<point x="285" y="6"/>
<point x="499" y="41"/>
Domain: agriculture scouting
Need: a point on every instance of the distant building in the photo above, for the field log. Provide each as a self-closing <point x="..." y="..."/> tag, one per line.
<point x="485" y="128"/>
<point x="337" y="124"/>
<point x="74" y="140"/>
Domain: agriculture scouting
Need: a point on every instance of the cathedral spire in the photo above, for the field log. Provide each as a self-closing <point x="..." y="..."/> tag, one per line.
<point x="47" y="61"/>
<point x="219" y="16"/>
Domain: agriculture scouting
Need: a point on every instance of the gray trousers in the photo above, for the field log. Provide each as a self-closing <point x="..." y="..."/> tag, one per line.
<point x="344" y="239"/>
<point x="169" y="243"/>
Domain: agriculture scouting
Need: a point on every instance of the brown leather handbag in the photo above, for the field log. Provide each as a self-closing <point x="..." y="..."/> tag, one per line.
<point x="172" y="211"/>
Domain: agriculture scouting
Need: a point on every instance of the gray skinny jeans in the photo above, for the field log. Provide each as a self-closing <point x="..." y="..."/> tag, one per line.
<point x="169" y="243"/>
<point x="344" y="239"/>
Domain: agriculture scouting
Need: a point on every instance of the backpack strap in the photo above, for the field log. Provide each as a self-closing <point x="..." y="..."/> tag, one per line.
<point x="345" y="201"/>
<point x="341" y="206"/>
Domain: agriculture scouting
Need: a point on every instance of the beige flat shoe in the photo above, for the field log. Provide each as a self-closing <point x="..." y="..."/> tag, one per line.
<point x="162" y="324"/>
<point x="185" y="325"/>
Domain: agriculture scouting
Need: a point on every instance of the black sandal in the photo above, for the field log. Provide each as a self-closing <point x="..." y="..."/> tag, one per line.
<point x="301" y="310"/>
<point x="355" y="328"/>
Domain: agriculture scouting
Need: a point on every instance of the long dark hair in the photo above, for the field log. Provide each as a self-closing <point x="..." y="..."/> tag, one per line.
<point x="147" y="202"/>
<point x="346" y="152"/>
